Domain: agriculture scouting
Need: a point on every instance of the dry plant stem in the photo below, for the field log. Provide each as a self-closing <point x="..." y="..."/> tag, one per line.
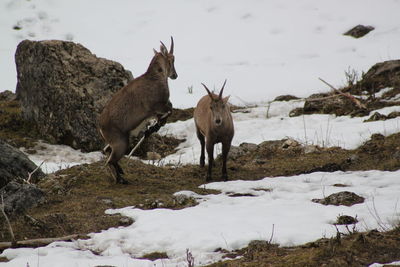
<point x="28" y="181"/>
<point x="39" y="242"/>
<point x="13" y="241"/>
<point x="352" y="98"/>
<point x="272" y="234"/>
<point x="189" y="258"/>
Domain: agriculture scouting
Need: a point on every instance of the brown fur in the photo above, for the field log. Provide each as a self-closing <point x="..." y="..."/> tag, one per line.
<point x="144" y="97"/>
<point x="214" y="124"/>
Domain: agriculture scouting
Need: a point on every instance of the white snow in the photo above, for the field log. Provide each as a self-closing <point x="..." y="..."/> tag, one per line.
<point x="56" y="157"/>
<point x="221" y="221"/>
<point x="264" y="49"/>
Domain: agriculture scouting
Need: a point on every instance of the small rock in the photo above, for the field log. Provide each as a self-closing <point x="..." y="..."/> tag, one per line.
<point x="310" y="149"/>
<point x="345" y="198"/>
<point x="393" y="115"/>
<point x="248" y="147"/>
<point x="353" y="158"/>
<point x="359" y="31"/>
<point x="259" y="161"/>
<point x="106" y="201"/>
<point x="377" y="136"/>
<point x="184" y="200"/>
<point x="125" y="221"/>
<point x="376" y="117"/>
<point x="340" y="185"/>
<point x="153" y="156"/>
<point x="296" y="112"/>
<point x="290" y="143"/>
<point x="285" y="98"/>
<point x="7" y="96"/>
<point x="345" y="220"/>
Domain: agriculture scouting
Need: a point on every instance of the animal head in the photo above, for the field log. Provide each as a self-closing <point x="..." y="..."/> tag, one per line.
<point x="218" y="106"/>
<point x="168" y="59"/>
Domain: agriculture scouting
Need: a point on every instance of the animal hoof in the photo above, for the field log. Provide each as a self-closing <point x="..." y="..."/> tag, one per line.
<point x="122" y="181"/>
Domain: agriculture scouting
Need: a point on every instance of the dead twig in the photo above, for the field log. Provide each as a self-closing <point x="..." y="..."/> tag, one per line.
<point x="13" y="242"/>
<point x="349" y="96"/>
<point x="28" y="181"/>
<point x="39" y="242"/>
<point x="272" y="234"/>
<point x="189" y="258"/>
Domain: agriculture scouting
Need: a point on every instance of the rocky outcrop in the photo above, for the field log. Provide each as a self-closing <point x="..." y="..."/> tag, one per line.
<point x="14" y="164"/>
<point x="381" y="75"/>
<point x="7" y="96"/>
<point x="20" y="197"/>
<point x="63" y="87"/>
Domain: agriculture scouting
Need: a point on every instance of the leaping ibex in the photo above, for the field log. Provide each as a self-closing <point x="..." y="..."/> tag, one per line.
<point x="214" y="124"/>
<point x="142" y="98"/>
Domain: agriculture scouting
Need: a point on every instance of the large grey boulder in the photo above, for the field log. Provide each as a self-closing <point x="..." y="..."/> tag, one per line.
<point x="63" y="87"/>
<point x="14" y="164"/>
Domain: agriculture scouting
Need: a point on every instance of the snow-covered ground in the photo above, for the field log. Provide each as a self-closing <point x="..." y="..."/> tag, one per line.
<point x="282" y="205"/>
<point x="264" y="49"/>
<point x="53" y="158"/>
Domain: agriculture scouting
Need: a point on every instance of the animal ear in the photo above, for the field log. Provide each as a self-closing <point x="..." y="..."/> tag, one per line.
<point x="208" y="91"/>
<point x="163" y="49"/>
<point x="225" y="99"/>
<point x="155" y="51"/>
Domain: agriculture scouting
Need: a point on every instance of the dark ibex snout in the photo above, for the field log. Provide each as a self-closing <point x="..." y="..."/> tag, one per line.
<point x="218" y="121"/>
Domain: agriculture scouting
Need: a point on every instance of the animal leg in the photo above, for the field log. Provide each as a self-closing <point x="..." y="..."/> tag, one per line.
<point x="202" y="143"/>
<point x="210" y="153"/>
<point x="119" y="149"/>
<point x="225" y="150"/>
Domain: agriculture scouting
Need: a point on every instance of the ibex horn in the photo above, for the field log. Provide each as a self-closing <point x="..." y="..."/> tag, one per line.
<point x="171" y="51"/>
<point x="208" y="91"/>
<point x="222" y="89"/>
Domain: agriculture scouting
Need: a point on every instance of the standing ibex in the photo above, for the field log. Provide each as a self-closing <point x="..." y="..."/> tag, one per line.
<point x="214" y="124"/>
<point x="144" y="97"/>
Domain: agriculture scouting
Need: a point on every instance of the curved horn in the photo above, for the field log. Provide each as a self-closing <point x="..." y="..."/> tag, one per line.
<point x="171" y="50"/>
<point x="208" y="91"/>
<point x="222" y="89"/>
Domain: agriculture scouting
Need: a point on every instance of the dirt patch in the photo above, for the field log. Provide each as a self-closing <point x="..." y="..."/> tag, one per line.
<point x="356" y="249"/>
